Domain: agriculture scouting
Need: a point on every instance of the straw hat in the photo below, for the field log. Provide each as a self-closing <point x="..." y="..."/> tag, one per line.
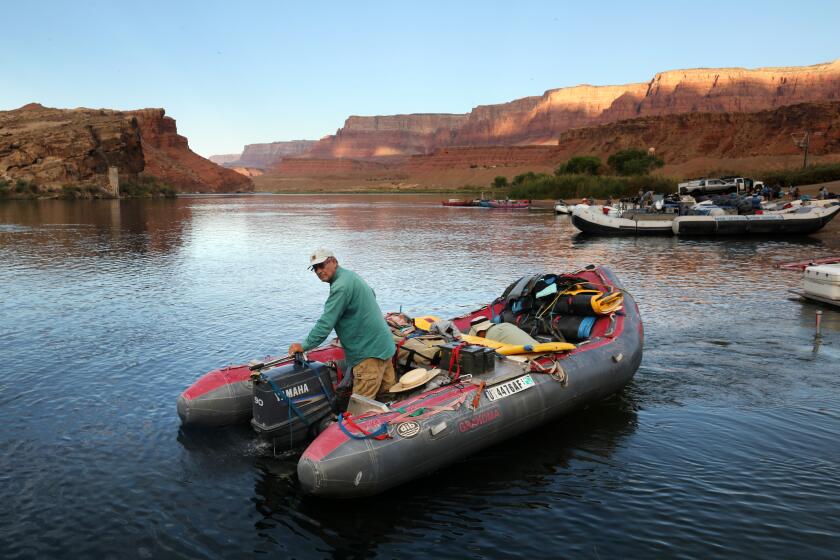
<point x="413" y="379"/>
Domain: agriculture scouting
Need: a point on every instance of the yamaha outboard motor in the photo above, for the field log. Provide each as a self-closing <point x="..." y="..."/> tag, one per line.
<point x="292" y="401"/>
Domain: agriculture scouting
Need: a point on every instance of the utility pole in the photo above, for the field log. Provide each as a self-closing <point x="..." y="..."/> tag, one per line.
<point x="804" y="142"/>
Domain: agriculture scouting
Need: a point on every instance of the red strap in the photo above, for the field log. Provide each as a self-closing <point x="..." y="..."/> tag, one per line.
<point x="397" y="352"/>
<point x="454" y="359"/>
<point x="477" y="397"/>
<point x="355" y="426"/>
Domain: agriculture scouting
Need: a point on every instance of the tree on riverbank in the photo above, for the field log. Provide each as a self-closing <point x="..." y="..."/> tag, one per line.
<point x="634" y="162"/>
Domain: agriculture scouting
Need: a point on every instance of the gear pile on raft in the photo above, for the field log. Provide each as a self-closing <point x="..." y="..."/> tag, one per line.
<point x="456" y="393"/>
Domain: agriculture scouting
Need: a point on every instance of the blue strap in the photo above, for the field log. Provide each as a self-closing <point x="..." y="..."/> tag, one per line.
<point x="288" y="401"/>
<point x="381" y="430"/>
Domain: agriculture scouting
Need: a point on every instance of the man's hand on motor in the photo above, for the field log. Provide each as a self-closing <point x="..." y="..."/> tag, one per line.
<point x="295" y="348"/>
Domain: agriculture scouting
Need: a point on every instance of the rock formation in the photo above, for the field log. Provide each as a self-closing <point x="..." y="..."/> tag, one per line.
<point x="388" y="137"/>
<point x="265" y="156"/>
<point x="542" y="119"/>
<point x="169" y="158"/>
<point x="714" y="136"/>
<point x="52" y="148"/>
<point x="65" y="147"/>
<point x="222" y="159"/>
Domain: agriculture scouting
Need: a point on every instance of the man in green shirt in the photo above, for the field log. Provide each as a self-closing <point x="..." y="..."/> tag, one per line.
<point x="351" y="310"/>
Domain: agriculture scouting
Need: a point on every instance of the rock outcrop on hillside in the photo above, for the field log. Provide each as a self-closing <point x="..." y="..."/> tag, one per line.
<point x="66" y="147"/>
<point x="52" y="148"/>
<point x="169" y="158"/>
<point x="265" y="156"/>
<point x="714" y="136"/>
<point x="389" y="136"/>
<point x="222" y="159"/>
<point x="540" y="120"/>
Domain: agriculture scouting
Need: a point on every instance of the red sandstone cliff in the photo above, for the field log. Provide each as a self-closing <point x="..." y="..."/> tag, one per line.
<point x="714" y="136"/>
<point x="168" y="157"/>
<point x="52" y="147"/>
<point x="542" y="119"/>
<point x="58" y="147"/>
<point x="264" y="156"/>
<point x="388" y="137"/>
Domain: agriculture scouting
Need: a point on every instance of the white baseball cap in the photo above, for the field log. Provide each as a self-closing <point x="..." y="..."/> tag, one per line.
<point x="319" y="255"/>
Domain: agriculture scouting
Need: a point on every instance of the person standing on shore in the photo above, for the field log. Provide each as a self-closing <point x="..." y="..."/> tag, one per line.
<point x="351" y="310"/>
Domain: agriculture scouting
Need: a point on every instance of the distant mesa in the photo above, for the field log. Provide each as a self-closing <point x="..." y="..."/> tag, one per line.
<point x="698" y="119"/>
<point x="541" y="120"/>
<point x="264" y="156"/>
<point x="54" y="148"/>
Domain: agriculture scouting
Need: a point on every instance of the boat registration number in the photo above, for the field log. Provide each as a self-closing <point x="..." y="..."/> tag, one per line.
<point x="508" y="388"/>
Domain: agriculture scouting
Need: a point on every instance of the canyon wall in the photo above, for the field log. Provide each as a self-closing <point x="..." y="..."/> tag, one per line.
<point x="385" y="137"/>
<point x="714" y="136"/>
<point x="222" y="159"/>
<point x="265" y="156"/>
<point x="540" y="120"/>
<point x="52" y="147"/>
<point x="65" y="147"/>
<point x="169" y="158"/>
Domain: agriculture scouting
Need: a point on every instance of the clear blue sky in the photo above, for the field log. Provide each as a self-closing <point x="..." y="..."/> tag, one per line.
<point x="236" y="73"/>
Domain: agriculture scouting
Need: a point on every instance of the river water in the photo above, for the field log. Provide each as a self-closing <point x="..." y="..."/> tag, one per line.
<point x="724" y="445"/>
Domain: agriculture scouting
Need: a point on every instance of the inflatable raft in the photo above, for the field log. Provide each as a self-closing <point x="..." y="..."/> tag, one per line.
<point x="804" y="220"/>
<point x="382" y="449"/>
<point x="510" y="389"/>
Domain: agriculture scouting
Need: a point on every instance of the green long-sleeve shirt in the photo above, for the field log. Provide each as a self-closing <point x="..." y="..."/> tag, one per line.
<point x="351" y="310"/>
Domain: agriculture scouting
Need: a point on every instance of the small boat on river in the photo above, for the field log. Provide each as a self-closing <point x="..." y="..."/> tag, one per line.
<point x="510" y="204"/>
<point x="474" y="392"/>
<point x="800" y="221"/>
<point x="560" y="207"/>
<point x="821" y="283"/>
<point x="459" y="202"/>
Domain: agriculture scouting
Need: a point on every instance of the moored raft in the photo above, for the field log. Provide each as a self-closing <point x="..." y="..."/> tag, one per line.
<point x="802" y="221"/>
<point x="388" y="446"/>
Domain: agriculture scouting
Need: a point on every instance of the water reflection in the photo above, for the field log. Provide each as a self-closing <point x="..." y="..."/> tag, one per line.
<point x="531" y="471"/>
<point x="95" y="227"/>
<point x="725" y="440"/>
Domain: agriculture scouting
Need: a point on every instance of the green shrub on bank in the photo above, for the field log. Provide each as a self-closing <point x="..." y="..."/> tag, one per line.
<point x="580" y="165"/>
<point x="808" y="176"/>
<point x="634" y="162"/>
<point x="84" y="191"/>
<point x="24" y="187"/>
<point x="500" y="182"/>
<point x="147" y="187"/>
<point x="542" y="186"/>
<point x="5" y="188"/>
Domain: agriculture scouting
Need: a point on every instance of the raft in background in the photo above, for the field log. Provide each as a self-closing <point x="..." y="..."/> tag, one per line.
<point x="805" y="220"/>
<point x="821" y="283"/>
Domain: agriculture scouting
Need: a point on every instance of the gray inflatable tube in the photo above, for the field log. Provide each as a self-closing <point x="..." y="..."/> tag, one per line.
<point x="434" y="429"/>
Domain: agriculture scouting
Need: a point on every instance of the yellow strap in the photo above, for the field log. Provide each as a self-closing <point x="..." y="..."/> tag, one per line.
<point x="481" y="341"/>
<point x="544" y="347"/>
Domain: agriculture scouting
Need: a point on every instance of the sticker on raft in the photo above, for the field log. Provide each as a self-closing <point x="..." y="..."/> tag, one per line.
<point x="408" y="429"/>
<point x="479" y="420"/>
<point x="509" y="388"/>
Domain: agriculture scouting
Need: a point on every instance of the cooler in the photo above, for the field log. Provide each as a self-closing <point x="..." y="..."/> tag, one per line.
<point x="823" y="281"/>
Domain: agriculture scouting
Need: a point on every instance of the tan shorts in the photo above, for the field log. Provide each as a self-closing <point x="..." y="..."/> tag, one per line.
<point x="373" y="377"/>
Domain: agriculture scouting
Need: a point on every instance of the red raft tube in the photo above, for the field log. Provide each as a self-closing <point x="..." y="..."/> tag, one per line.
<point x="372" y="452"/>
<point x="225" y="396"/>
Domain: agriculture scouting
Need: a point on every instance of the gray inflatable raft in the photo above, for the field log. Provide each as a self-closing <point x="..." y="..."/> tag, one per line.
<point x="376" y="451"/>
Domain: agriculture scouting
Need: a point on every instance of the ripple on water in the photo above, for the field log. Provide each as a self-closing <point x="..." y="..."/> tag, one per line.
<point x="723" y="445"/>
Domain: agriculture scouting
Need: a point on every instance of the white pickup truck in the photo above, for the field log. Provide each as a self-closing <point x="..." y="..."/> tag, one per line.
<point x="718" y="186"/>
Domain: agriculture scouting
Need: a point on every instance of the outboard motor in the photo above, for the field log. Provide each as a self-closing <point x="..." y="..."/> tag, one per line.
<point x="292" y="401"/>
